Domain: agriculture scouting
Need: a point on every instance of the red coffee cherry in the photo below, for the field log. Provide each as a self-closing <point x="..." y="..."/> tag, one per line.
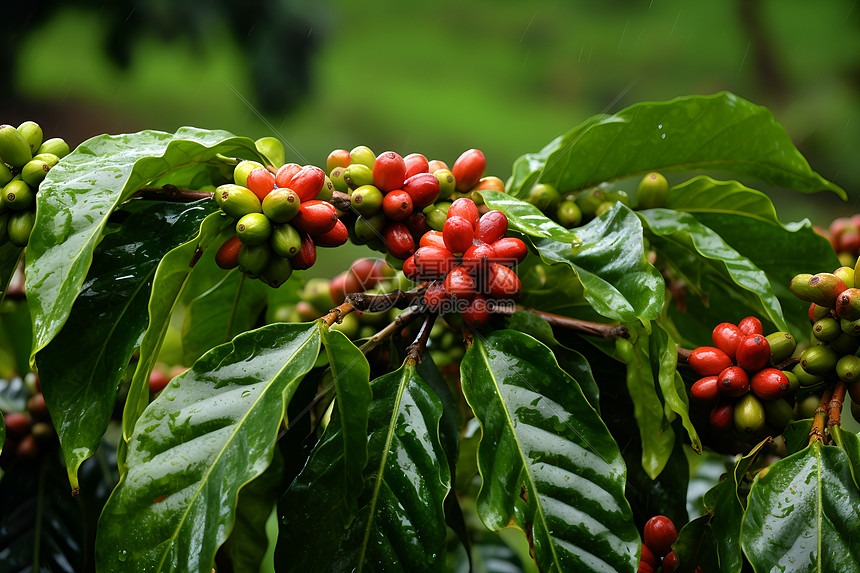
<point x="423" y="188"/>
<point x="17" y="424"/>
<point x="227" y="256"/>
<point x="510" y="251"/>
<point x="157" y="381"/>
<point x="432" y="239"/>
<point x="433" y="263"/>
<point x="649" y="557"/>
<point x="726" y="337"/>
<point x="410" y="271"/>
<point x="492" y="226"/>
<point x="458" y="234"/>
<point x="389" y="171"/>
<point x="343" y="284"/>
<point x="27" y="448"/>
<point x="705" y="389"/>
<point x="645" y="568"/>
<point x="307" y="255"/>
<point x="417" y="224"/>
<point x="337" y="236"/>
<point x="38" y="409"/>
<point x="435" y="165"/>
<point x="468" y="169"/>
<point x="467" y="209"/>
<point x="366" y="272"/>
<point x="708" y="361"/>
<point x="478" y="257"/>
<point x="261" y="182"/>
<point x="660" y="534"/>
<point x="670" y="562"/>
<point x="315" y="217"/>
<point x="753" y="352"/>
<point x="733" y="382"/>
<point x="337" y="158"/>
<point x="397" y="205"/>
<point x="460" y="284"/>
<point x="415" y="164"/>
<point x="750" y="325"/>
<point x="477" y="314"/>
<point x="398" y="240"/>
<point x="770" y="384"/>
<point x="502" y="282"/>
<point x="307" y="183"/>
<point x="435" y="296"/>
<point x="285" y="174"/>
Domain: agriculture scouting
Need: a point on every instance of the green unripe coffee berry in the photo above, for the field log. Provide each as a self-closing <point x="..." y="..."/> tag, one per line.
<point x="358" y="174"/>
<point x="804" y="378"/>
<point x="272" y="149"/>
<point x="569" y="214"/>
<point x="337" y="179"/>
<point x="447" y="183"/>
<point x="318" y="294"/>
<point x="848" y="368"/>
<point x="369" y="229"/>
<point x="253" y="260"/>
<point x="254" y="229"/>
<point x="56" y="146"/>
<point x="242" y="170"/>
<point x="34" y="172"/>
<point x="327" y="191"/>
<point x="277" y="272"/>
<point x="14" y="149"/>
<point x="281" y="205"/>
<point x="749" y="414"/>
<point x="846" y="275"/>
<point x="285" y="241"/>
<point x="362" y="155"/>
<point x="604" y="207"/>
<point x="652" y="191"/>
<point x="807" y="406"/>
<point x="778" y="413"/>
<point x="4" y="221"/>
<point x="845" y="344"/>
<point x="238" y="201"/>
<point x="17" y="196"/>
<point x="32" y="132"/>
<point x="545" y="197"/>
<point x="782" y="345"/>
<point x="5" y="175"/>
<point x="48" y="158"/>
<point x="349" y="325"/>
<point x="819" y="360"/>
<point x="436" y="218"/>
<point x="588" y="201"/>
<point x="826" y="329"/>
<point x="19" y="227"/>
<point x="793" y="382"/>
<point x="366" y="200"/>
<point x="850" y="327"/>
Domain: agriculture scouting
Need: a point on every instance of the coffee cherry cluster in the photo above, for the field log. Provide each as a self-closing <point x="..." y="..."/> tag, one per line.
<point x="397" y="199"/>
<point x="657" y="538"/>
<point x="25" y="159"/>
<point x="739" y="377"/>
<point x="469" y="262"/>
<point x="30" y="433"/>
<point x="578" y="207"/>
<point x="281" y="218"/>
<point x="844" y="234"/>
<point x="834" y="312"/>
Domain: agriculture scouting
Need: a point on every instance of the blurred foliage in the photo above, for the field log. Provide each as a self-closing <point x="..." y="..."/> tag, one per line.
<point x="437" y="78"/>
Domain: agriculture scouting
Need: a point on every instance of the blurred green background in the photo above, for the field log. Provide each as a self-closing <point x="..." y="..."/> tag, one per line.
<point x="435" y="77"/>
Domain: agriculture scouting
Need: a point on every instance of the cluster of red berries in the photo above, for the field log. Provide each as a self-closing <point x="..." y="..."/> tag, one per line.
<point x="29" y="433"/>
<point x="738" y="376"/>
<point x="844" y="234"/>
<point x="280" y="218"/>
<point x="397" y="199"/>
<point x="658" y="536"/>
<point x="469" y="262"/>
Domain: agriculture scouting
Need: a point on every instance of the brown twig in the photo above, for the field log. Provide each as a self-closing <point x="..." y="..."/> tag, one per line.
<point x="403" y="319"/>
<point x="394" y="299"/>
<point x="341" y="201"/>
<point x="834" y="407"/>
<point x="468" y="337"/>
<point x="609" y="331"/>
<point x="172" y="193"/>
<point x="787" y="364"/>
<point x="683" y="354"/>
<point x="415" y="351"/>
<point x="337" y="313"/>
<point x="816" y="434"/>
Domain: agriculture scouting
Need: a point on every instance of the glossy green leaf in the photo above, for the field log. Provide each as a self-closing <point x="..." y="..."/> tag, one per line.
<point x="554" y="288"/>
<point x="850" y="443"/>
<point x="399" y="522"/>
<point x="79" y="194"/>
<point x="618" y="281"/>
<point x="209" y="432"/>
<point x="655" y="431"/>
<point x="170" y="278"/>
<point x="720" y="132"/>
<point x="548" y="463"/>
<point x="351" y="379"/>
<point x="231" y="306"/>
<point x="802" y="514"/>
<point x="781" y="252"/>
<point x="663" y="351"/>
<point x="15" y="335"/>
<point x="248" y="543"/>
<point x="577" y="366"/>
<point x="80" y="368"/>
<point x="527" y="219"/>
<point x="704" y="194"/>
<point x="696" y="253"/>
<point x="9" y="257"/>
